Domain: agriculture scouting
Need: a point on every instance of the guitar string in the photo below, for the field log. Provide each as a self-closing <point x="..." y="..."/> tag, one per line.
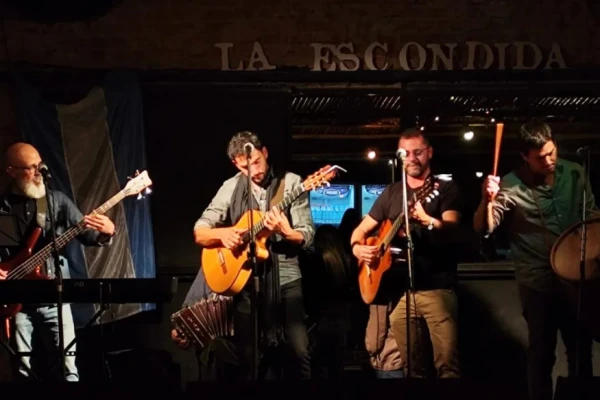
<point x="281" y="206"/>
<point x="430" y="183"/>
<point x="259" y="226"/>
<point x="40" y="257"/>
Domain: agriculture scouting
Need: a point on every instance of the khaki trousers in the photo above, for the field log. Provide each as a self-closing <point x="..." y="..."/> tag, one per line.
<point x="439" y="309"/>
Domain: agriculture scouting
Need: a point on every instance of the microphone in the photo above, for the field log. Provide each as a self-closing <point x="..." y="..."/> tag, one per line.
<point x="44" y="170"/>
<point x="249" y="147"/>
<point x="401" y="154"/>
<point x="583" y="151"/>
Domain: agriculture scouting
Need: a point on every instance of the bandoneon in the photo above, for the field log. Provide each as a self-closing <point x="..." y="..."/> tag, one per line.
<point x="206" y="320"/>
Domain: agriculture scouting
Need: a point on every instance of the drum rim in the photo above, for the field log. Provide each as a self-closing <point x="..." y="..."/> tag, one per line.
<point x="563" y="235"/>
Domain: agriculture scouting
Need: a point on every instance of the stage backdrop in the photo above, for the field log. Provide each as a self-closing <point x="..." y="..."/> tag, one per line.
<point x="91" y="147"/>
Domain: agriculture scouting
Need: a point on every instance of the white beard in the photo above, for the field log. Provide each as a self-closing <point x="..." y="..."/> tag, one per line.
<point x="32" y="190"/>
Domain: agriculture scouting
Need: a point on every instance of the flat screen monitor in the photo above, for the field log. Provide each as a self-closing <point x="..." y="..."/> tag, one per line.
<point x="368" y="195"/>
<point x="328" y="204"/>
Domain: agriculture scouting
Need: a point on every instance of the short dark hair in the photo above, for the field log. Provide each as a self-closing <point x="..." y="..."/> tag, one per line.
<point x="533" y="136"/>
<point x="413" y="133"/>
<point x="236" y="144"/>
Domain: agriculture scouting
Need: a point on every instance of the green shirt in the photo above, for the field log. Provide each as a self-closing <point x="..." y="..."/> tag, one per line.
<point x="518" y="207"/>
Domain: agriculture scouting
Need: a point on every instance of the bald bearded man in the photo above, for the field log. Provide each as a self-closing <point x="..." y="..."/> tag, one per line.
<point x="26" y="199"/>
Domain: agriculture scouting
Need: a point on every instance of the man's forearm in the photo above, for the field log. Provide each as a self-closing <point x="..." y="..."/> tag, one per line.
<point x="358" y="236"/>
<point x="483" y="220"/>
<point x="207" y="237"/>
<point x="440" y="224"/>
<point x="294" y="236"/>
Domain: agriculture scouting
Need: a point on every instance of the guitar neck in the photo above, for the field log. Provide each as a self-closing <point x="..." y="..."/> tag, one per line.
<point x="393" y="231"/>
<point x="282" y="205"/>
<point x="61" y="241"/>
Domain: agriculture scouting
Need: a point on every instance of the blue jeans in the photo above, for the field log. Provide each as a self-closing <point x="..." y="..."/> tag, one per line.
<point x="44" y="320"/>
<point x="397" y="374"/>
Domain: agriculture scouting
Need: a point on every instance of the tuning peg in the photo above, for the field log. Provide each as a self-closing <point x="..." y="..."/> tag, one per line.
<point x="137" y="172"/>
<point x="146" y="192"/>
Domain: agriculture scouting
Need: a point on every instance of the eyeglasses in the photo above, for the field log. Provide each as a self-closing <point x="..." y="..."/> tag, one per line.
<point x="32" y="168"/>
<point x="417" y="152"/>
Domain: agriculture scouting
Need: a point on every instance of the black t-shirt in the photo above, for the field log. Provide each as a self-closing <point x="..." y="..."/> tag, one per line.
<point x="434" y="258"/>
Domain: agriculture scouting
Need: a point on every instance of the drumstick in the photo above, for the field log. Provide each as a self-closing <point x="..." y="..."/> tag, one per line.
<point x="499" y="129"/>
<point x="7" y="328"/>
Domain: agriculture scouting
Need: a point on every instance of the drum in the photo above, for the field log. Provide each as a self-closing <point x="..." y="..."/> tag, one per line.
<point x="565" y="253"/>
<point x="564" y="258"/>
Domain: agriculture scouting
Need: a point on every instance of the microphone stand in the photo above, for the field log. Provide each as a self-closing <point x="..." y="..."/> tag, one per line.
<point x="409" y="259"/>
<point x="255" y="277"/>
<point x="58" y="275"/>
<point x="582" y="254"/>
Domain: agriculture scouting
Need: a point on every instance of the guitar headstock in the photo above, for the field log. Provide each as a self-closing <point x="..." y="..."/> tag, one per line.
<point x="137" y="184"/>
<point x="427" y="192"/>
<point x="321" y="177"/>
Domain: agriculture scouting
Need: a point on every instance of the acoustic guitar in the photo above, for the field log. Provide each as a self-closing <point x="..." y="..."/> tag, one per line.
<point x="24" y="265"/>
<point x="370" y="275"/>
<point x="227" y="271"/>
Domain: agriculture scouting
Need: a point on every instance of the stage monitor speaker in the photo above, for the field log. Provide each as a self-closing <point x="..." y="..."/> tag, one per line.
<point x="464" y="389"/>
<point x="577" y="388"/>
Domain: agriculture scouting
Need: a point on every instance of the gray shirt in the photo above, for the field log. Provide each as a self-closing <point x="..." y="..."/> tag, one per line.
<point x="518" y="208"/>
<point x="216" y="213"/>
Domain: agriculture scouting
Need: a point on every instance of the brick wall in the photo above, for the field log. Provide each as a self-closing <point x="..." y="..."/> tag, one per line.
<point x="156" y="34"/>
<point x="9" y="132"/>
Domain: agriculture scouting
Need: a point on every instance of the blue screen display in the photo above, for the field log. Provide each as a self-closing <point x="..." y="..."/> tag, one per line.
<point x="368" y="195"/>
<point x="328" y="204"/>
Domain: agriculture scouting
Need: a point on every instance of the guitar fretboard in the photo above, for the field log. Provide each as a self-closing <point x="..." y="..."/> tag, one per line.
<point x="282" y="205"/>
<point x="41" y="256"/>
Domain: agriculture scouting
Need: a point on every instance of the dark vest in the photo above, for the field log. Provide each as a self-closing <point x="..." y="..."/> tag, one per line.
<point x="268" y="272"/>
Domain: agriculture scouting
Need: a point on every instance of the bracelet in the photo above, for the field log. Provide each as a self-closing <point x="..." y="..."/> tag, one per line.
<point x="430" y="226"/>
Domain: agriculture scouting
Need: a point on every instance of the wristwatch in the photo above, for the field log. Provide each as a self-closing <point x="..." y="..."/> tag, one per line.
<point x="430" y="226"/>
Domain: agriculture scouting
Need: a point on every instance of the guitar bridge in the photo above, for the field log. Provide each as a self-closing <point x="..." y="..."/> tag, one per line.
<point x="222" y="260"/>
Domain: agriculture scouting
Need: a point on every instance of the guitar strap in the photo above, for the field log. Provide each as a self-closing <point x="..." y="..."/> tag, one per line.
<point x="41" y="210"/>
<point x="279" y="193"/>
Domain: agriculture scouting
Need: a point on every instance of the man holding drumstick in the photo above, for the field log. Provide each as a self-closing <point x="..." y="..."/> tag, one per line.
<point x="536" y="203"/>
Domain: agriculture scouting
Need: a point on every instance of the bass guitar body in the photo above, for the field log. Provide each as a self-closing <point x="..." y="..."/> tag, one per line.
<point x="370" y="275"/>
<point x="10" y="310"/>
<point x="227" y="271"/>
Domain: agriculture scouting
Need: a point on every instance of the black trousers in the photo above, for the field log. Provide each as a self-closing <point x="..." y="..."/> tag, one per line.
<point x="547" y="314"/>
<point x="295" y="349"/>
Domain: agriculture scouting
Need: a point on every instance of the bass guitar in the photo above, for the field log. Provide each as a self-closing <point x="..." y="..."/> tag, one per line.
<point x="370" y="275"/>
<point x="27" y="266"/>
<point x="227" y="271"/>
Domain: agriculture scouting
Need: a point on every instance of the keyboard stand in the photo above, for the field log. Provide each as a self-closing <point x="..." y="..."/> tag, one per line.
<point x="103" y="308"/>
<point x="85" y="291"/>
